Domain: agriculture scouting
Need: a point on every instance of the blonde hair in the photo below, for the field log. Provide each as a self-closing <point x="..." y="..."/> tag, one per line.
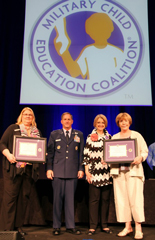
<point x="19" y="119"/>
<point x="100" y="116"/>
<point x="122" y="116"/>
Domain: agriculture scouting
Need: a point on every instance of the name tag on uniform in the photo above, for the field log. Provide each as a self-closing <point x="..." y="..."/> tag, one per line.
<point x="58" y="140"/>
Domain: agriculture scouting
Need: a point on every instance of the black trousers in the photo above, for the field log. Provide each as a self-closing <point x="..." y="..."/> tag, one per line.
<point x="99" y="199"/>
<point x="15" y="198"/>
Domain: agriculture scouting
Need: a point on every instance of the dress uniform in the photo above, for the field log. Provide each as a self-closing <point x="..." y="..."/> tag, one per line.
<point x="64" y="159"/>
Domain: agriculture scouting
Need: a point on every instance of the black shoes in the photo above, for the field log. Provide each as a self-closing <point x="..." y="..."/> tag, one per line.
<point x="91" y="232"/>
<point x="108" y="231"/>
<point x="20" y="230"/>
<point x="73" y="231"/>
<point x="56" y="231"/>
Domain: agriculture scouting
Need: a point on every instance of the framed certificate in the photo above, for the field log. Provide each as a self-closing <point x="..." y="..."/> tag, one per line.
<point x="29" y="149"/>
<point x="120" y="150"/>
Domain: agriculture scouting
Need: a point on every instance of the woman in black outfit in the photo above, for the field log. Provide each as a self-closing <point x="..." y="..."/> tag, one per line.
<point x="18" y="176"/>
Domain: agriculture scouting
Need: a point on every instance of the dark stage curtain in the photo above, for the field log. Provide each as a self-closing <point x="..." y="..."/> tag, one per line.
<point x="12" y="15"/>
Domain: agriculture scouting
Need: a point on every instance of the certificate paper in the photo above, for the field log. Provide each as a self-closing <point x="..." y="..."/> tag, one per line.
<point x="120" y="151"/>
<point x="29" y="149"/>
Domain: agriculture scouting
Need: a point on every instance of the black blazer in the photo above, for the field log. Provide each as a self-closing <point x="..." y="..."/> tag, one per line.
<point x="65" y="158"/>
<point x="7" y="142"/>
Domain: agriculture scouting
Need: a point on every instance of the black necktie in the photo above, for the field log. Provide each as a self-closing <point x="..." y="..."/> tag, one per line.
<point x="67" y="135"/>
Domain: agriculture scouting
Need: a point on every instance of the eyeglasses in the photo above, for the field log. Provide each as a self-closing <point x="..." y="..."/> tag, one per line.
<point x="27" y="115"/>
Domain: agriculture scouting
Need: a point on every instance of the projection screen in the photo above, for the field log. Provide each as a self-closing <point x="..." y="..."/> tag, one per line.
<point x="88" y="52"/>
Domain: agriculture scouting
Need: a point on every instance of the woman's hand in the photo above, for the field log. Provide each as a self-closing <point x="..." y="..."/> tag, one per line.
<point x="137" y="160"/>
<point x="11" y="158"/>
<point x="103" y="162"/>
<point x="88" y="174"/>
<point x="89" y="177"/>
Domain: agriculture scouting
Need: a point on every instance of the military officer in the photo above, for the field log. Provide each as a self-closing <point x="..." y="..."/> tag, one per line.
<point x="65" y="153"/>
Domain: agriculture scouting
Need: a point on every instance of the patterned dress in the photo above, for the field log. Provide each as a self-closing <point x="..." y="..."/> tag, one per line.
<point x="93" y="154"/>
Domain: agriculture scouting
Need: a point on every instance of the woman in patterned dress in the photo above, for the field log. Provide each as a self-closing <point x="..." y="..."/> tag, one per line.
<point x="98" y="175"/>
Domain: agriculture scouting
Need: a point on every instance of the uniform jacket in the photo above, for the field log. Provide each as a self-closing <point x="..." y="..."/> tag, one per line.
<point x="65" y="159"/>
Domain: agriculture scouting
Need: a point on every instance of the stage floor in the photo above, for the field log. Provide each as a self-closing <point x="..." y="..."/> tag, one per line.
<point x="45" y="233"/>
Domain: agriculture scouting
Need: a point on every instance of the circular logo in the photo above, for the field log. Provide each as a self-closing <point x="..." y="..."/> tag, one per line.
<point x="86" y="48"/>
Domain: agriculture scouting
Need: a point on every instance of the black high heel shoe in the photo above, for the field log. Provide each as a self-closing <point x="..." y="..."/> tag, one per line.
<point x="91" y="232"/>
<point x="108" y="231"/>
<point x="20" y="230"/>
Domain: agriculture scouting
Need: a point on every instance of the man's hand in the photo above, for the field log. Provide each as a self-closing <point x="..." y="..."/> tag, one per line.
<point x="80" y="174"/>
<point x="50" y="174"/>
